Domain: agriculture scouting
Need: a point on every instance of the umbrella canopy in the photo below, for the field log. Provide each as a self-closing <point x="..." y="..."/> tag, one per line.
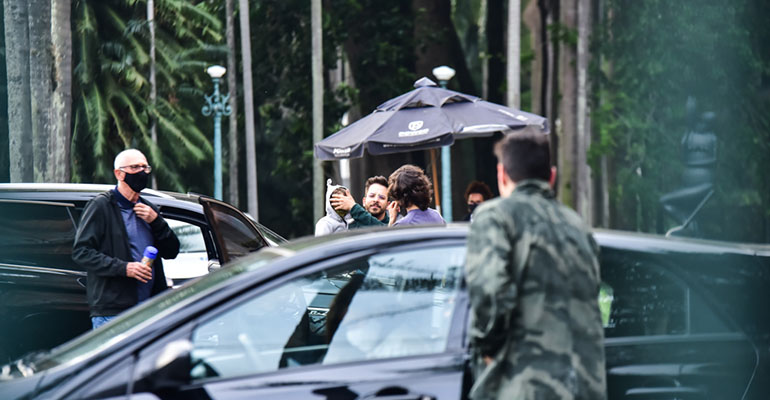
<point x="426" y="117"/>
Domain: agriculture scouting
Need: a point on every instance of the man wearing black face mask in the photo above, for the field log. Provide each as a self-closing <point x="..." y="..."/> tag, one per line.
<point x="476" y="193"/>
<point x="114" y="231"/>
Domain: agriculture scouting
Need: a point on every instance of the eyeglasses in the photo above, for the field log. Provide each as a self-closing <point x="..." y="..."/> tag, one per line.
<point x="373" y="195"/>
<point x="136" y="168"/>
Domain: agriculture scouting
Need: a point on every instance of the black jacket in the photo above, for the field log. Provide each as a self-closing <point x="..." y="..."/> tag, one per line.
<point x="101" y="247"/>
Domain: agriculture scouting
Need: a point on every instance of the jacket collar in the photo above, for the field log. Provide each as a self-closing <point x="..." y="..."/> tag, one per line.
<point x="535" y="186"/>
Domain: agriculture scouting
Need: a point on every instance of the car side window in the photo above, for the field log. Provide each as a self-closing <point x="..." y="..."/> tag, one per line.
<point x="387" y="305"/>
<point x="642" y="298"/>
<point x="26" y="243"/>
<point x="192" y="260"/>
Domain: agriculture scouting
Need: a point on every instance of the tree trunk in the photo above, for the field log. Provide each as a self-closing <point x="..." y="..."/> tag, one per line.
<point x="513" y="64"/>
<point x="567" y="108"/>
<point x="232" y="87"/>
<point x="61" y="109"/>
<point x="437" y="42"/>
<point x="40" y="66"/>
<point x="318" y="86"/>
<point x="19" y="114"/>
<point x="496" y="50"/>
<point x="584" y="183"/>
<point x="532" y="19"/>
<point x="153" y="84"/>
<point x="248" y="109"/>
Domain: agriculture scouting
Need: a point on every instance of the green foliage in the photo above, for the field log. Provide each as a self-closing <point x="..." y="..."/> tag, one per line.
<point x="111" y="105"/>
<point x="378" y="36"/>
<point x="650" y="56"/>
<point x="281" y="50"/>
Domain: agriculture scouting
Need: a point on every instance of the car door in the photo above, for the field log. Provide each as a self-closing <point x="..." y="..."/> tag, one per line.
<point x="235" y="234"/>
<point x="664" y="338"/>
<point x="40" y="286"/>
<point x="380" y="324"/>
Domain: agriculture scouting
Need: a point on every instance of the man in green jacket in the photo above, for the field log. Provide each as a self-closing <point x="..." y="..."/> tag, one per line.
<point x="375" y="203"/>
<point x="533" y="279"/>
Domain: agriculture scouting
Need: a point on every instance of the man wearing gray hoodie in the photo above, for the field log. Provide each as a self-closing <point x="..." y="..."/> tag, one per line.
<point x="335" y="220"/>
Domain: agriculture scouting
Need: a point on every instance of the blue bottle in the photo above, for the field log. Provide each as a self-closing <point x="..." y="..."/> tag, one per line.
<point x="149" y="255"/>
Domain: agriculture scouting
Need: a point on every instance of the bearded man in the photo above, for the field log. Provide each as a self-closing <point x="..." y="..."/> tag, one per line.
<point x="375" y="203"/>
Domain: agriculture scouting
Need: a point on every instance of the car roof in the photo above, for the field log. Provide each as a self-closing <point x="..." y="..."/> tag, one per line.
<point x="613" y="239"/>
<point x="87" y="191"/>
<point x="72" y="187"/>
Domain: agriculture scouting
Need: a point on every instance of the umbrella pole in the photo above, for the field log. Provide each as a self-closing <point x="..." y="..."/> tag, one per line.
<point x="435" y="179"/>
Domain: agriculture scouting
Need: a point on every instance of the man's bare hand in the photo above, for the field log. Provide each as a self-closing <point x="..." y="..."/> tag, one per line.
<point x="139" y="271"/>
<point x="145" y="212"/>
<point x="343" y="202"/>
<point x="393" y="210"/>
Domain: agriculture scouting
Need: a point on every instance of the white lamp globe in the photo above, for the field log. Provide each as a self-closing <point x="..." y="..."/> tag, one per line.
<point x="216" y="71"/>
<point x="443" y="73"/>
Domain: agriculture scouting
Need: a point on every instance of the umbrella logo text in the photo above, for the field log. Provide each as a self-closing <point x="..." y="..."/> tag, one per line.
<point x="341" y="151"/>
<point x="414" y="130"/>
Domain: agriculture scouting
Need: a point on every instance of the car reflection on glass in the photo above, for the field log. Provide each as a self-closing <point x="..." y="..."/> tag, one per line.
<point x="384" y="313"/>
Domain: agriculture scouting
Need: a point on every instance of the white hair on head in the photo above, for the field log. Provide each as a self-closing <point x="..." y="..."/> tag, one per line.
<point x="125" y="153"/>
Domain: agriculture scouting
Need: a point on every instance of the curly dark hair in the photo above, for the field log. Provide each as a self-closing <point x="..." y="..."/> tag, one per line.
<point x="480" y="188"/>
<point x="409" y="186"/>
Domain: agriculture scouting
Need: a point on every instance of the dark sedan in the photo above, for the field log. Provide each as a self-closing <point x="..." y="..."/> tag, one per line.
<point x="383" y="314"/>
<point x="42" y="291"/>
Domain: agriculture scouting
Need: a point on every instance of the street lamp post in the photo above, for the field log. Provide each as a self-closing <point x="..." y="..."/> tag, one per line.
<point x="217" y="104"/>
<point x="444" y="74"/>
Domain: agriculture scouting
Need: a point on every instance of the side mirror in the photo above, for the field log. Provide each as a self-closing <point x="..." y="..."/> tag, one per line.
<point x="173" y="365"/>
<point x="214" y="265"/>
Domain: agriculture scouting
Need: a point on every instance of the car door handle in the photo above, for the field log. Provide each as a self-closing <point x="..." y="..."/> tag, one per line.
<point x="667" y="392"/>
<point x="81" y="281"/>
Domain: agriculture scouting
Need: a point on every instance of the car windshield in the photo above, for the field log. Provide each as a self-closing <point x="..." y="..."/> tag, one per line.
<point x="94" y="341"/>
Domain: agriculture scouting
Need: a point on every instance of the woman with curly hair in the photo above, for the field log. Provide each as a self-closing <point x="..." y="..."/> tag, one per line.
<point x="411" y="191"/>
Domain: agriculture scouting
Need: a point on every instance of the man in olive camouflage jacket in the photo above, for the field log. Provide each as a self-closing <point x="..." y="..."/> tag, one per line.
<point x="533" y="278"/>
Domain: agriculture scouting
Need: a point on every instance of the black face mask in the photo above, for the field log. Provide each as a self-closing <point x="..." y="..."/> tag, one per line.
<point x="137" y="181"/>
<point x="472" y="207"/>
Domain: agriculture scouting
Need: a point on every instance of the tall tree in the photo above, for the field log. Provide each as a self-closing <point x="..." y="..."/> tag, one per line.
<point x="584" y="202"/>
<point x="316" y="34"/>
<point x="513" y="59"/>
<point x="232" y="86"/>
<point x="61" y="105"/>
<point x="40" y="66"/>
<point x="153" y="79"/>
<point x="248" y="110"/>
<point x="567" y="150"/>
<point x="112" y="110"/>
<point x="19" y="113"/>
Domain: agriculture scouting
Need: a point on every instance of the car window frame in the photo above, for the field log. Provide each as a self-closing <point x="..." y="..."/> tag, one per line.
<point x="456" y="337"/>
<point x="69" y="208"/>
<point x="683" y="278"/>
<point x="208" y="213"/>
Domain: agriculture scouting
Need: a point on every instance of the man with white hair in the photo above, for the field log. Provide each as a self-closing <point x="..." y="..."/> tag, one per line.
<point x="113" y="233"/>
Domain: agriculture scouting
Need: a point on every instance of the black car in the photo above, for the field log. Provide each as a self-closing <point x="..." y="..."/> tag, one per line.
<point x="383" y="315"/>
<point x="42" y="291"/>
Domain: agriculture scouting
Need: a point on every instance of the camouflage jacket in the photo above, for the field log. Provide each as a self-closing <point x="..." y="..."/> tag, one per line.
<point x="533" y="279"/>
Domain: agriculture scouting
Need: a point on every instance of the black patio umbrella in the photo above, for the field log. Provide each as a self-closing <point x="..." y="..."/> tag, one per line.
<point x="426" y="117"/>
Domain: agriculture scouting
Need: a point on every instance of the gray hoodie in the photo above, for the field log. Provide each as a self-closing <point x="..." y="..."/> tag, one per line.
<point x="332" y="222"/>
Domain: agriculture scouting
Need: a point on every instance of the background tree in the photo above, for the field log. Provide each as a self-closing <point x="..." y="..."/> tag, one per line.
<point x="61" y="109"/>
<point x="233" y="154"/>
<point x="112" y="107"/>
<point x="21" y="161"/>
<point x="654" y="55"/>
